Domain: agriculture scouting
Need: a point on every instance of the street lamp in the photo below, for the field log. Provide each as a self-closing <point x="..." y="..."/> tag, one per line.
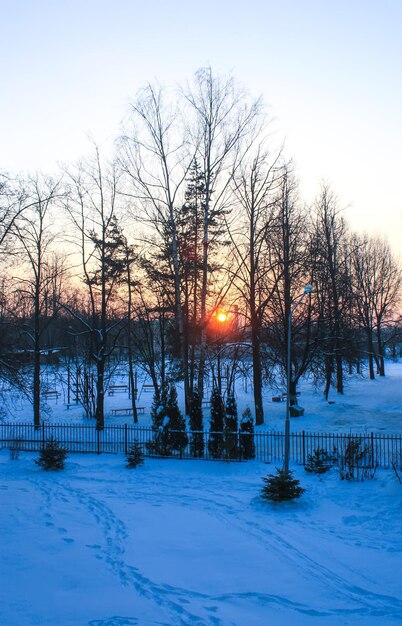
<point x="307" y="290"/>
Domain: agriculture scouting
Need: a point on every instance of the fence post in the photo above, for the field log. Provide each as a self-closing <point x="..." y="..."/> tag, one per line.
<point x="125" y="439"/>
<point x="98" y="439"/>
<point x="372" y="449"/>
<point x="304" y="447"/>
<point x="43" y="435"/>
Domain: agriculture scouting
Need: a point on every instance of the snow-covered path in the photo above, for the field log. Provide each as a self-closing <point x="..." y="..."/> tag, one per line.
<point x="191" y="543"/>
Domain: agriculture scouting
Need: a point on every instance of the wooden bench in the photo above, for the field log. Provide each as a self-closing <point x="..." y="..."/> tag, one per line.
<point x="147" y="388"/>
<point x="51" y="393"/>
<point x="281" y="398"/>
<point x="116" y="389"/>
<point x="296" y="411"/>
<point x="128" y="411"/>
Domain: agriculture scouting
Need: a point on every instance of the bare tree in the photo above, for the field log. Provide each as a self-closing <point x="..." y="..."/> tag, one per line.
<point x="92" y="206"/>
<point x="155" y="160"/>
<point x="256" y="185"/>
<point x="224" y="121"/>
<point x="41" y="269"/>
<point x="377" y="283"/>
<point x="332" y="283"/>
<point x="291" y="273"/>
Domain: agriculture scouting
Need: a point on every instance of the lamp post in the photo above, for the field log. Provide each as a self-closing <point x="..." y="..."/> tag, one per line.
<point x="306" y="291"/>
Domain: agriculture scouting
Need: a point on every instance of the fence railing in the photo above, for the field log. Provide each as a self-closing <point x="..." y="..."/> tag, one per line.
<point x="381" y="450"/>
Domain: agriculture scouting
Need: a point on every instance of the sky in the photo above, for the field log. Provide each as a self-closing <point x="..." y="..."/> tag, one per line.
<point x="328" y="71"/>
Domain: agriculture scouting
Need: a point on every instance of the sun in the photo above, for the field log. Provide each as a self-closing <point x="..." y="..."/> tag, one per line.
<point x="221" y="316"/>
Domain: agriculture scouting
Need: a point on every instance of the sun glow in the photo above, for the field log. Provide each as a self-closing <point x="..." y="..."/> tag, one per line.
<point x="221" y="316"/>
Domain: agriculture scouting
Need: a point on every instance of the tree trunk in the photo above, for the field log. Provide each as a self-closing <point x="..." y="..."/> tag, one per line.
<point x="100" y="393"/>
<point x="339" y="372"/>
<point x="328" y="375"/>
<point x="36" y="373"/>
<point x="370" y="354"/>
<point x="257" y="376"/>
<point x="132" y="380"/>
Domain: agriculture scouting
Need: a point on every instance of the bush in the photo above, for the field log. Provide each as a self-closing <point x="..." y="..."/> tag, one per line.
<point x="15" y="449"/>
<point x="355" y="463"/>
<point x="281" y="487"/>
<point x="319" y="462"/>
<point x="52" y="456"/>
<point x="135" y="456"/>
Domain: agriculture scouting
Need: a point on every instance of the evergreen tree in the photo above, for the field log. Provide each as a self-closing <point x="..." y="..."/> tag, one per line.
<point x="196" y="426"/>
<point x="215" y="443"/>
<point x="159" y="408"/>
<point x="247" y="446"/>
<point x="319" y="462"/>
<point x="176" y="425"/>
<point x="135" y="456"/>
<point x="160" y="424"/>
<point x="52" y="456"/>
<point x="230" y="428"/>
<point x="281" y="487"/>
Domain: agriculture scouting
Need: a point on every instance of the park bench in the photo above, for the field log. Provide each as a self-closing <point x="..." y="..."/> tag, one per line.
<point x="117" y="389"/>
<point x="147" y="388"/>
<point x="70" y="404"/>
<point x="281" y="398"/>
<point x="128" y="411"/>
<point x="296" y="411"/>
<point x="51" y="393"/>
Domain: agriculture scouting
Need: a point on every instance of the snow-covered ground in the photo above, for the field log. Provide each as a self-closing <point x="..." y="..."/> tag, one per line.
<point x="190" y="542"/>
<point x="366" y="406"/>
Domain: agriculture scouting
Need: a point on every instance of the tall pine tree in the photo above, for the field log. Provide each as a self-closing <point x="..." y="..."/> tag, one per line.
<point x="176" y="425"/>
<point x="216" y="443"/>
<point x="231" y="435"/>
<point x="246" y="438"/>
<point x="196" y="426"/>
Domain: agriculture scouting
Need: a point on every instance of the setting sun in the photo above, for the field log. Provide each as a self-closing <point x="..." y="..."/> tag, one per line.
<point x="221" y="316"/>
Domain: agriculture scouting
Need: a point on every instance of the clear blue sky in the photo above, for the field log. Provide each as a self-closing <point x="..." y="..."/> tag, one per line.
<point x="330" y="71"/>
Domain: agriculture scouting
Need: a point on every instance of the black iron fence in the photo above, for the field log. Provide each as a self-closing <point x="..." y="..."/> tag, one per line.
<point x="381" y="450"/>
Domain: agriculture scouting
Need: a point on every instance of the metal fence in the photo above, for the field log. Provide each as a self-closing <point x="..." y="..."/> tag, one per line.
<point x="381" y="450"/>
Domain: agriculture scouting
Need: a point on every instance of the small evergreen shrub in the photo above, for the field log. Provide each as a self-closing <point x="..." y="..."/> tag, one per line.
<point x="246" y="438"/>
<point x="52" y="456"/>
<point x="135" y="456"/>
<point x="319" y="462"/>
<point x="281" y="487"/>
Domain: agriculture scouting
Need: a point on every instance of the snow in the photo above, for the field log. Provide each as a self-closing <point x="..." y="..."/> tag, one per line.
<point x="366" y="406"/>
<point x="191" y="542"/>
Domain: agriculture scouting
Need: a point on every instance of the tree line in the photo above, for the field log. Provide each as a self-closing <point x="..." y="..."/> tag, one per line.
<point x="185" y="252"/>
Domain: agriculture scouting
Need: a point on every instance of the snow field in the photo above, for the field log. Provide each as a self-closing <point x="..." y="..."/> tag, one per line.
<point x="366" y="406"/>
<point x="190" y="542"/>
